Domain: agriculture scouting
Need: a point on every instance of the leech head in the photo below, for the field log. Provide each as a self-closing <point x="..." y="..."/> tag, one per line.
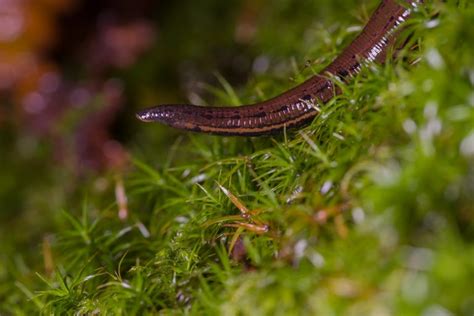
<point x="157" y="114"/>
<point x="178" y="116"/>
<point x="144" y="116"/>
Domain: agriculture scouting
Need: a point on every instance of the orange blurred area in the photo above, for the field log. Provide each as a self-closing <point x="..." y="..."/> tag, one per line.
<point x="48" y="103"/>
<point x="27" y="29"/>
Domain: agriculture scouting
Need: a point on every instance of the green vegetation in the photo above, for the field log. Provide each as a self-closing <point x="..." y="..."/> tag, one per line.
<point x="370" y="209"/>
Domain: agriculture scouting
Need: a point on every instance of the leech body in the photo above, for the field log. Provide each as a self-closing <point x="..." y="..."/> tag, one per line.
<point x="297" y="106"/>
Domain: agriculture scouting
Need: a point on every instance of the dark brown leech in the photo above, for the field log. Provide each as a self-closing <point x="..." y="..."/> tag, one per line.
<point x="296" y="106"/>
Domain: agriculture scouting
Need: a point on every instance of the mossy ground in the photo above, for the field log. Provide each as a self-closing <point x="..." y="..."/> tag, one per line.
<point x="369" y="209"/>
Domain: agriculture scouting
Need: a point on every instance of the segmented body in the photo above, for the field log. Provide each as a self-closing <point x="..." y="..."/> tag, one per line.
<point x="299" y="105"/>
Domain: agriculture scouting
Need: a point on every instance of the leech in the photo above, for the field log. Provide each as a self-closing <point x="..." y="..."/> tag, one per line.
<point x="299" y="105"/>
